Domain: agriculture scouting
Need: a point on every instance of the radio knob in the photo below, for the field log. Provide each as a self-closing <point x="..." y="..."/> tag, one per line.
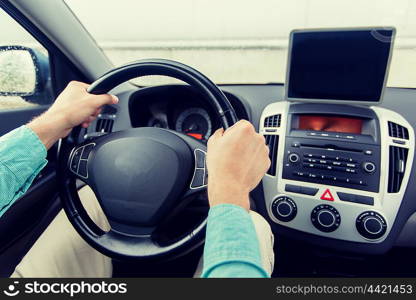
<point x="284" y="209"/>
<point x="371" y="225"/>
<point x="294" y="158"/>
<point x="369" y="167"/>
<point x="325" y="218"/>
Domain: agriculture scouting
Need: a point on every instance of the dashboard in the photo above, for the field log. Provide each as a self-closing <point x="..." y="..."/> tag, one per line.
<point x="179" y="108"/>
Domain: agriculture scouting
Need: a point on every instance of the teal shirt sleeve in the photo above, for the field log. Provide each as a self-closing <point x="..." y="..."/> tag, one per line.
<point x="231" y="244"/>
<point x="22" y="157"/>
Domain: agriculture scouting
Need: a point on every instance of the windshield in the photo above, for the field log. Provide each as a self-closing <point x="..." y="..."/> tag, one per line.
<point x="238" y="41"/>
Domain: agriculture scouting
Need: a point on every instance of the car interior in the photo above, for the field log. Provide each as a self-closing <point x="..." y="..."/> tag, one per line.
<point x="339" y="194"/>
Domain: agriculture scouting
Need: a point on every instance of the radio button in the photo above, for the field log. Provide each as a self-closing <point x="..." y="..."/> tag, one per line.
<point x="301" y="174"/>
<point x="369" y="167"/>
<point x="308" y="191"/>
<point x="356" y="181"/>
<point x="292" y="188"/>
<point x="294" y="157"/>
<point x="301" y="189"/>
<point x="355" y="198"/>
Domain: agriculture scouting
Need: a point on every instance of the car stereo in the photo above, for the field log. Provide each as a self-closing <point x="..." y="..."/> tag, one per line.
<point x="339" y="150"/>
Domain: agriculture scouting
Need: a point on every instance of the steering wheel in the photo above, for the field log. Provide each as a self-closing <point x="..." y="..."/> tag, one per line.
<point x="138" y="175"/>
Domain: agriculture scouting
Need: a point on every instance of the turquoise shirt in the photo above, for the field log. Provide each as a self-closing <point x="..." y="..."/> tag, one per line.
<point x="231" y="245"/>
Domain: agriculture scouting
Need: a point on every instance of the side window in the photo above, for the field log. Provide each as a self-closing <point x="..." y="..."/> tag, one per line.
<point x="25" y="79"/>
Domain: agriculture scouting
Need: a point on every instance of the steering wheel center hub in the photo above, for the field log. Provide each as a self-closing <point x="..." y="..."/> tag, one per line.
<point x="138" y="174"/>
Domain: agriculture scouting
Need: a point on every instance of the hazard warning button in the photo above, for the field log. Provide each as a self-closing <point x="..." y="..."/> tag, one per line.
<point x="327" y="195"/>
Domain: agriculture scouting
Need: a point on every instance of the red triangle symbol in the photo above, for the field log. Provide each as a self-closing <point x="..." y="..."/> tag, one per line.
<point x="327" y="195"/>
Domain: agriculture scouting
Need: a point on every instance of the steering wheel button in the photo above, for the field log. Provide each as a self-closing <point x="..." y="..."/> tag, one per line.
<point x="199" y="159"/>
<point x="74" y="167"/>
<point x="82" y="170"/>
<point x="87" y="151"/>
<point x="77" y="155"/>
<point x="198" y="180"/>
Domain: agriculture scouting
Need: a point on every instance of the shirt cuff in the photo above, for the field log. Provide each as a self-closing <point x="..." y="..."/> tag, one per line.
<point x="230" y="237"/>
<point x="25" y="154"/>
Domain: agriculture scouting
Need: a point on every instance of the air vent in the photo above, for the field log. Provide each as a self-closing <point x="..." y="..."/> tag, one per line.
<point x="398" y="131"/>
<point x="398" y="159"/>
<point x="105" y="123"/>
<point x="272" y="141"/>
<point x="272" y="121"/>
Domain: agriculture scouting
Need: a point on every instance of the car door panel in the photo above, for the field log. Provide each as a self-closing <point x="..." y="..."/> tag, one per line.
<point x="11" y="119"/>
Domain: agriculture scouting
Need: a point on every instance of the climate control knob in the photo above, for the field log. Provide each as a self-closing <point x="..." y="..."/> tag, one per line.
<point x="284" y="209"/>
<point x="371" y="225"/>
<point x="325" y="218"/>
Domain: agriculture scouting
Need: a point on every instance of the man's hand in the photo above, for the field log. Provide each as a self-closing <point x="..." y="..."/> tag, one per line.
<point x="73" y="107"/>
<point x="237" y="160"/>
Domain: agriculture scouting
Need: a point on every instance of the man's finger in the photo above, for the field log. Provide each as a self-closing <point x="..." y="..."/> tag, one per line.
<point x="218" y="133"/>
<point x="97" y="112"/>
<point x="242" y="125"/>
<point x="105" y="99"/>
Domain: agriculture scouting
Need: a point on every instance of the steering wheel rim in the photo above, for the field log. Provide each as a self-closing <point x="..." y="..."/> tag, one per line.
<point x="133" y="240"/>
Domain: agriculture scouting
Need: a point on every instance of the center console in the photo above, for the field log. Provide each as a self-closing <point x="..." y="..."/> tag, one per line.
<point x="338" y="170"/>
<point x="340" y="164"/>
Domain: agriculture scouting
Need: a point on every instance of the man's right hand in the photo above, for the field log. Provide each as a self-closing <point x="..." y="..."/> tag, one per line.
<point x="237" y="160"/>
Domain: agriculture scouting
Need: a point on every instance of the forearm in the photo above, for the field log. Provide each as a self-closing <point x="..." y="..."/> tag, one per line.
<point x="231" y="245"/>
<point x="22" y="157"/>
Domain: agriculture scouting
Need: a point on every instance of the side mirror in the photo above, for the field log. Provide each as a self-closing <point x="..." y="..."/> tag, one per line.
<point x="24" y="72"/>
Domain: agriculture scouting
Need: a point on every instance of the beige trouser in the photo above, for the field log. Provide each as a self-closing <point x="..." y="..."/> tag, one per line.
<point x="61" y="252"/>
